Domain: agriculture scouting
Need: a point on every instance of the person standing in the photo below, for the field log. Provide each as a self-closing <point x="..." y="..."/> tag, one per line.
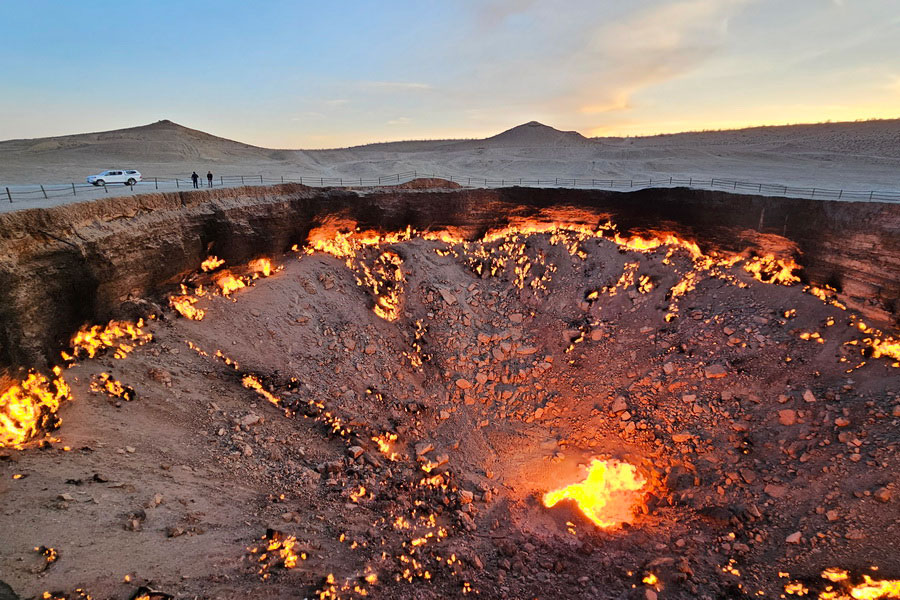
<point x="209" y="178"/>
<point x="195" y="178"/>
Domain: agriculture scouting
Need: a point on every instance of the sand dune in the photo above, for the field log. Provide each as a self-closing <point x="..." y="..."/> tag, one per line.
<point x="859" y="155"/>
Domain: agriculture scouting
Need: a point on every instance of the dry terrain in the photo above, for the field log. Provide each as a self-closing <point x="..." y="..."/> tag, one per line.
<point x="860" y="156"/>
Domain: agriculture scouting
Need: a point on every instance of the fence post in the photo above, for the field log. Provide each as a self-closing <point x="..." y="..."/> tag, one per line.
<point x="221" y="181"/>
<point x="73" y="189"/>
<point x="840" y="194"/>
<point x="631" y="183"/>
<point x="342" y="181"/>
<point x="735" y="184"/>
<point x="105" y="188"/>
<point x="301" y="181"/>
<point x="690" y="182"/>
<point x="760" y="189"/>
<point x="8" y="195"/>
<point x="260" y="180"/>
<point x="670" y="181"/>
<point x="870" y="194"/>
<point x="242" y="180"/>
<point x="814" y="193"/>
<point x="156" y="182"/>
<point x="43" y="192"/>
<point x="282" y="179"/>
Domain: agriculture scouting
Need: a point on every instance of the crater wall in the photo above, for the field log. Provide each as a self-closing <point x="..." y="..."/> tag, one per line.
<point x="66" y="266"/>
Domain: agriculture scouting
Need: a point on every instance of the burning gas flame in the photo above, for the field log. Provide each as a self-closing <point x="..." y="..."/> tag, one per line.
<point x="29" y="406"/>
<point x="212" y="263"/>
<point x="229" y="283"/>
<point x="608" y="494"/>
<point x="185" y="307"/>
<point x="261" y="267"/>
<point x="121" y="335"/>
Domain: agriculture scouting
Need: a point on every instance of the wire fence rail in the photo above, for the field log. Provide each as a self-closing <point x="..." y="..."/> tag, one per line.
<point x="39" y="192"/>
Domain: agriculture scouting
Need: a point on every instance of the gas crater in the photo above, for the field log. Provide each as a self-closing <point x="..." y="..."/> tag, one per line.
<point x="549" y="408"/>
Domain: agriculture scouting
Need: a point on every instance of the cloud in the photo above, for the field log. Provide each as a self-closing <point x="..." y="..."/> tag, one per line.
<point x="400" y="121"/>
<point x="650" y="47"/>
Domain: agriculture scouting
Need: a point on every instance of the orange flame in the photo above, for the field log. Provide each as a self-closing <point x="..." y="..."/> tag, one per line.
<point x="261" y="267"/>
<point x="116" y="334"/>
<point x="29" y="406"/>
<point x="229" y="283"/>
<point x="212" y="263"/>
<point x="607" y="496"/>
<point x="185" y="307"/>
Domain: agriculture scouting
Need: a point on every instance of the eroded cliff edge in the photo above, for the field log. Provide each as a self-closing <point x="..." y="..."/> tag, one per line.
<point x="66" y="266"/>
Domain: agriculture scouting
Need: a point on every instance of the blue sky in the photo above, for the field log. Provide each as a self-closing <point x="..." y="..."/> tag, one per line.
<point x="328" y="74"/>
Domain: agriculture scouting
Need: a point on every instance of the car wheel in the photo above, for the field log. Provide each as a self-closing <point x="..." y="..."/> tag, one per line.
<point x="131" y="182"/>
<point x="99" y="182"/>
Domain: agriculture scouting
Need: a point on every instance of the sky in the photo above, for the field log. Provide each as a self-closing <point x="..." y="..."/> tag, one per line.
<point x="296" y="74"/>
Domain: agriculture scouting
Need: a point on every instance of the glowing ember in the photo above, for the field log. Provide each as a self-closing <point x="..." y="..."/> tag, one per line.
<point x="212" y="263"/>
<point x="607" y="496"/>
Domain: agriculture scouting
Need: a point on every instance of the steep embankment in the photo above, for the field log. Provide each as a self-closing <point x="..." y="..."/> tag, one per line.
<point x="70" y="265"/>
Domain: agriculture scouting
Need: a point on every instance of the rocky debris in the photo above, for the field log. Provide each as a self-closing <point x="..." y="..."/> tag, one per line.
<point x="715" y="371"/>
<point x="787" y="416"/>
<point x="883" y="495"/>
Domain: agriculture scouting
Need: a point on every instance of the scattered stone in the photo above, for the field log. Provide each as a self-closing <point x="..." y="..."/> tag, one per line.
<point x="794" y="538"/>
<point x="808" y="396"/>
<point x="249" y="420"/>
<point x="619" y="404"/>
<point x="842" y="421"/>
<point x="668" y="368"/>
<point x="466" y="497"/>
<point x="423" y="448"/>
<point x="883" y="495"/>
<point x="463" y="384"/>
<point x="715" y="371"/>
<point x="355" y="451"/>
<point x="447" y="295"/>
<point x="679" y="438"/>
<point x="787" y="416"/>
<point x="775" y="491"/>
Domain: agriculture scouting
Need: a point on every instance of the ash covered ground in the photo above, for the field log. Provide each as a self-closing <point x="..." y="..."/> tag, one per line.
<point x="382" y="419"/>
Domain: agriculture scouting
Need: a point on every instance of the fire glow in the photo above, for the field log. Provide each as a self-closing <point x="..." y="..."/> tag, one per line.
<point x="607" y="496"/>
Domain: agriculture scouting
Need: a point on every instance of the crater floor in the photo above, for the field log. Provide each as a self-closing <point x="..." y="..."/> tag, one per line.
<point x="382" y="417"/>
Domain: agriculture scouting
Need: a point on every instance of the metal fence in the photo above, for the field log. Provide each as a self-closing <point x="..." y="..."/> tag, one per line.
<point x="74" y="191"/>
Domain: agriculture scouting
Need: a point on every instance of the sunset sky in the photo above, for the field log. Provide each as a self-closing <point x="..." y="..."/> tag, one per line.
<point x="295" y="74"/>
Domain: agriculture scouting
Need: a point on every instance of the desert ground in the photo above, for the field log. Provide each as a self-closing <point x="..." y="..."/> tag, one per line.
<point x="860" y="155"/>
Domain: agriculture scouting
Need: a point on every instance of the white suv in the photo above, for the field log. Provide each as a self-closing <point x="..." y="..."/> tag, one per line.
<point x="126" y="176"/>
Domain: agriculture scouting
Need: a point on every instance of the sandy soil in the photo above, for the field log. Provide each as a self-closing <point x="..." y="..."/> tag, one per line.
<point x="763" y="454"/>
<point x="859" y="156"/>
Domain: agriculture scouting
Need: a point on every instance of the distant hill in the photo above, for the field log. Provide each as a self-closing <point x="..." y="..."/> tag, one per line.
<point x="534" y="134"/>
<point x="160" y="142"/>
